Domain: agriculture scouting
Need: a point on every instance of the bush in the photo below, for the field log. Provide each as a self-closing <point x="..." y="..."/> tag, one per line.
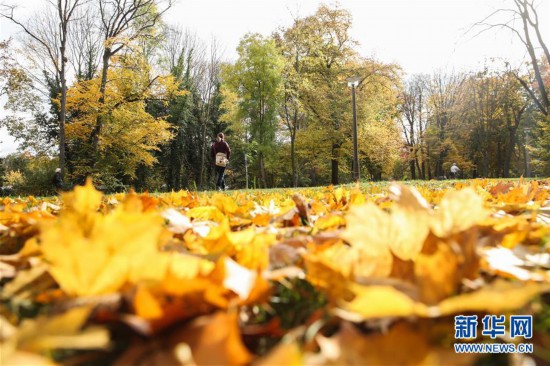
<point x="30" y="175"/>
<point x="39" y="176"/>
<point x="14" y="179"/>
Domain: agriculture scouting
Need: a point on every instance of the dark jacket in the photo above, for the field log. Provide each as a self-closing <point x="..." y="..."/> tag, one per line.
<point x="57" y="181"/>
<point x="218" y="147"/>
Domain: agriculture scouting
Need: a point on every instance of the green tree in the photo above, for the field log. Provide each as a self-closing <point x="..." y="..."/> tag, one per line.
<point x="327" y="49"/>
<point x="256" y="81"/>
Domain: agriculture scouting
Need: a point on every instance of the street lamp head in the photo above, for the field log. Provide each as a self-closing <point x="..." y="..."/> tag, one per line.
<point x="354" y="81"/>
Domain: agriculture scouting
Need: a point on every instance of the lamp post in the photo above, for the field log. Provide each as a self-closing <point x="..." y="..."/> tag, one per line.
<point x="354" y="82"/>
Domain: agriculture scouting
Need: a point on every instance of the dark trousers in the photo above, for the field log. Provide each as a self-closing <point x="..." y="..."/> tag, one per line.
<point x="220" y="177"/>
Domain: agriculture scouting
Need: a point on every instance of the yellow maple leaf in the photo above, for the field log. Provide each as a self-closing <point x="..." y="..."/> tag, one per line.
<point x="206" y="213"/>
<point x="375" y="232"/>
<point x="91" y="253"/>
<point x="458" y="211"/>
<point x="495" y="298"/>
<point x="382" y="301"/>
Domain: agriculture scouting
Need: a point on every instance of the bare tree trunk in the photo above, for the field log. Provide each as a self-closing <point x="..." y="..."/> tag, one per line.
<point x="527" y="158"/>
<point x="485" y="164"/>
<point x="293" y="159"/>
<point x="544" y="104"/>
<point x="65" y="10"/>
<point x="62" y="116"/>
<point x="262" y="171"/>
<point x="510" y="146"/>
<point x="334" y="165"/>
<point x="428" y="162"/>
<point x="412" y="166"/>
<point x="203" y="156"/>
<point x="419" y="168"/>
<point x="96" y="133"/>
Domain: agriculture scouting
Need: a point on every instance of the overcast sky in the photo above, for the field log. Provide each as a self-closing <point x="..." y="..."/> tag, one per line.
<point x="420" y="35"/>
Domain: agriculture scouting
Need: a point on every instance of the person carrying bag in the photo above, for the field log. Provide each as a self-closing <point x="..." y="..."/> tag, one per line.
<point x="220" y="152"/>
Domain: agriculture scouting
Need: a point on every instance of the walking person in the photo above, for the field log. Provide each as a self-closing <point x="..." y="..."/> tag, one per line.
<point x="454" y="171"/>
<point x="220" y="152"/>
<point x="57" y="180"/>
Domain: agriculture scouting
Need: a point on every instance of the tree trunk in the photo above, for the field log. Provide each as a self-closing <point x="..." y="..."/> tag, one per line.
<point x="526" y="157"/>
<point x="508" y="154"/>
<point x="293" y="159"/>
<point x="262" y="171"/>
<point x="412" y="166"/>
<point x="428" y="162"/>
<point x="203" y="153"/>
<point x="544" y="104"/>
<point x="96" y="133"/>
<point x="62" y="113"/>
<point x="499" y="167"/>
<point x="334" y="165"/>
<point x="485" y="164"/>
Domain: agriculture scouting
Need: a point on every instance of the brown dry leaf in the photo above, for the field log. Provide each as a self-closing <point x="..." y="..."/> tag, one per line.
<point x="402" y="345"/>
<point x="213" y="339"/>
<point x="301" y="206"/>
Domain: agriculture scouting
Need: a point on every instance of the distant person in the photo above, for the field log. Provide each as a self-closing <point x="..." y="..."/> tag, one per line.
<point x="220" y="152"/>
<point x="454" y="171"/>
<point x="58" y="180"/>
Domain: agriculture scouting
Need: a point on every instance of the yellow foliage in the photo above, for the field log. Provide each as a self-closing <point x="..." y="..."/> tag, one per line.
<point x="115" y="245"/>
<point x="128" y="134"/>
<point x="396" y="258"/>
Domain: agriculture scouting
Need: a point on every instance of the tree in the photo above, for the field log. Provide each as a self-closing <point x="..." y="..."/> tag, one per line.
<point x="52" y="41"/>
<point x="194" y="116"/>
<point x="443" y="92"/>
<point x="377" y="113"/>
<point x="414" y="123"/>
<point x="18" y="88"/>
<point x="122" y="22"/>
<point x="492" y="109"/>
<point x="130" y="134"/>
<point x="256" y="80"/>
<point x="293" y="113"/>
<point x="85" y="43"/>
<point x="530" y="36"/>
<point x="327" y="47"/>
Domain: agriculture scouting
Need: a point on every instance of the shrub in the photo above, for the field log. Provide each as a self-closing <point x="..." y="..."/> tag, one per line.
<point x="14" y="179"/>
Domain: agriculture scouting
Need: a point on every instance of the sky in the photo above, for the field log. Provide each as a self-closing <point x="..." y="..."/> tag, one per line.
<point x="422" y="36"/>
